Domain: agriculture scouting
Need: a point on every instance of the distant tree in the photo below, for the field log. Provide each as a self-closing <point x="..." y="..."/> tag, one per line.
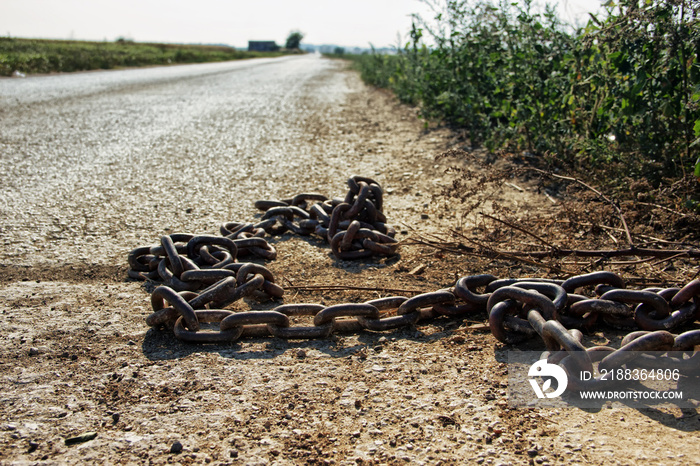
<point x="294" y="39"/>
<point x="339" y="51"/>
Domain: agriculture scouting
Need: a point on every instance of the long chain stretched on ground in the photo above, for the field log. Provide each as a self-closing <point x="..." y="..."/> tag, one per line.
<point x="517" y="309"/>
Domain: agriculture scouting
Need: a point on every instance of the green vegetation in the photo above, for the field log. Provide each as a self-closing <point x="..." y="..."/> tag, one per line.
<point x="294" y="40"/>
<point x="621" y="94"/>
<point x="47" y="56"/>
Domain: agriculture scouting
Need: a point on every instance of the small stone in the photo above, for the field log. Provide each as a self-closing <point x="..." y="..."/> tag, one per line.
<point x="176" y="447"/>
<point x="532" y="453"/>
<point x="301" y="354"/>
<point x="33" y="351"/>
<point x="233" y="453"/>
<point x="32" y="446"/>
<point x="424" y="216"/>
<point x="131" y="343"/>
<point x="115" y="418"/>
<point x="81" y="438"/>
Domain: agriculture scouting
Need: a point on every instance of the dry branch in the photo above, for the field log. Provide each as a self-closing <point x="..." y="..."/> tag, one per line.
<point x="614" y="205"/>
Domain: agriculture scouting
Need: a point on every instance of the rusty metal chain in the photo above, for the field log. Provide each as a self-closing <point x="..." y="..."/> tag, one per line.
<point x="355" y="227"/>
<point x="557" y="315"/>
<point x="517" y="310"/>
<point x="207" y="264"/>
<point x="201" y="276"/>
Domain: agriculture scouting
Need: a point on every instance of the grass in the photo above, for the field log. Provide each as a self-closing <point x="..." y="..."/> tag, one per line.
<point x="33" y="56"/>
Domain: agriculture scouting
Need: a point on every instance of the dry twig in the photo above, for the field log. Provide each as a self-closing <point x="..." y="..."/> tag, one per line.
<point x="615" y="206"/>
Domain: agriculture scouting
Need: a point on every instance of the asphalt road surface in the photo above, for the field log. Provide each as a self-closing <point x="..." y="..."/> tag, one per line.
<point x="108" y="156"/>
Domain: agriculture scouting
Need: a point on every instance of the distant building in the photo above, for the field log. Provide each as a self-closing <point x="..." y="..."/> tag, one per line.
<point x="262" y="46"/>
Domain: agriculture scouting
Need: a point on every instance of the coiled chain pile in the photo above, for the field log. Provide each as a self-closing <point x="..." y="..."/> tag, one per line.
<point x="354" y="227"/>
<point x="201" y="277"/>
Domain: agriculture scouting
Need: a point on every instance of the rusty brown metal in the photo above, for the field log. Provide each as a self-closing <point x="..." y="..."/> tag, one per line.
<point x="357" y="253"/>
<point x="209" y="316"/>
<point x="313" y="213"/>
<point x="685" y="310"/>
<point x="523" y="296"/>
<point x="304" y="198"/>
<point x="685" y="294"/>
<point x="592" y="279"/>
<point x="686" y="341"/>
<point x="507" y="327"/>
<point x="300" y="332"/>
<point x="554" y="333"/>
<point x="465" y="289"/>
<point x="164" y="294"/>
<point x="331" y="313"/>
<point x="241" y="319"/>
<point x="659" y="340"/>
<point x="200" y="271"/>
<point x="540" y="300"/>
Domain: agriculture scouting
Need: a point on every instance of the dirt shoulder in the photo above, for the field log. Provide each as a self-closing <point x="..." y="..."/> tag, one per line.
<point x="77" y="356"/>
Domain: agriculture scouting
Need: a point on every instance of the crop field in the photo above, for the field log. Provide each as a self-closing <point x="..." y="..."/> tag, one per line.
<point x="49" y="56"/>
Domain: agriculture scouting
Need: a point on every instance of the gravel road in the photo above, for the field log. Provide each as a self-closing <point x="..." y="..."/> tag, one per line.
<point x="109" y="156"/>
<point x="96" y="164"/>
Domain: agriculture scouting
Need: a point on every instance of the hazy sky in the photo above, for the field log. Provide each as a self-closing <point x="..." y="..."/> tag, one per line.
<point x="233" y="22"/>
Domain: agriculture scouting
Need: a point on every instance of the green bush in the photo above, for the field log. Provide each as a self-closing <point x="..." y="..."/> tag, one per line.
<point x="624" y="89"/>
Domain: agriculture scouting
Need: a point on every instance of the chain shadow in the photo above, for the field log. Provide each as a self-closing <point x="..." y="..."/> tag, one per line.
<point x="161" y="345"/>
